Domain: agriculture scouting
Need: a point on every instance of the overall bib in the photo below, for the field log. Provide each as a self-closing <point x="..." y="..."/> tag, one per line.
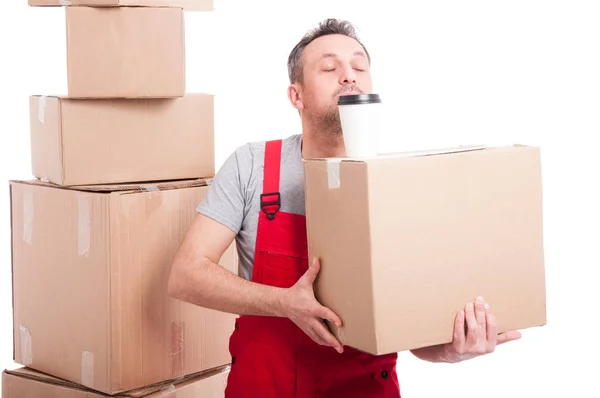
<point x="271" y="356"/>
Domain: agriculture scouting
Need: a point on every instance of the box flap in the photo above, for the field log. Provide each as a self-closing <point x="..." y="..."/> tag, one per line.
<point x="126" y="188"/>
<point x="90" y="100"/>
<point x="407" y="154"/>
<point x="163" y="387"/>
<point x="187" y="5"/>
<point x="438" y="151"/>
<point x="59" y="96"/>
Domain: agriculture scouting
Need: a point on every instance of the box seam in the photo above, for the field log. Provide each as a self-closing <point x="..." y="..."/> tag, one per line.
<point x="61" y="147"/>
<point x="371" y="274"/>
<point x="12" y="262"/>
<point x="110" y="298"/>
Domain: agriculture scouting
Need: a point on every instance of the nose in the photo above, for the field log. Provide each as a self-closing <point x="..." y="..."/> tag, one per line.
<point x="348" y="76"/>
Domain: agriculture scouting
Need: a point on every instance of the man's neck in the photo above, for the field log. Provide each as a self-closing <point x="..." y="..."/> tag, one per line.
<point x="321" y="144"/>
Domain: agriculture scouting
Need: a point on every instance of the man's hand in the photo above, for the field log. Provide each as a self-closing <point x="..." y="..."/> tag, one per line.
<point x="475" y="334"/>
<point x="300" y="305"/>
<point x="480" y="337"/>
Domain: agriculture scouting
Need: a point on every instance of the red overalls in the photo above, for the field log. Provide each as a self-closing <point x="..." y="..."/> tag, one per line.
<point x="271" y="356"/>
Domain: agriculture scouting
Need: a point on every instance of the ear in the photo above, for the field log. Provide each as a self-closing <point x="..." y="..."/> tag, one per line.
<point x="295" y="96"/>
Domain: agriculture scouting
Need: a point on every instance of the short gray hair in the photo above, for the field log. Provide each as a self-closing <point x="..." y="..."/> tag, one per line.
<point x="329" y="26"/>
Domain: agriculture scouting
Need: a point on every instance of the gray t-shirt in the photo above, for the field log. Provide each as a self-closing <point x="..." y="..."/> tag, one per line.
<point x="233" y="199"/>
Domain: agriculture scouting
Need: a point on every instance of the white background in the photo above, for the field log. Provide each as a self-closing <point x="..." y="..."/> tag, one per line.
<point x="450" y="73"/>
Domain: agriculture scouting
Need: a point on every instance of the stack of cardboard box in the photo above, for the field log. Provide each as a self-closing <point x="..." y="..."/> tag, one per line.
<point x="120" y="164"/>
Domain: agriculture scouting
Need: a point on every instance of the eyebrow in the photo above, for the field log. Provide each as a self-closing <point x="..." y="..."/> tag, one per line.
<point x="333" y="55"/>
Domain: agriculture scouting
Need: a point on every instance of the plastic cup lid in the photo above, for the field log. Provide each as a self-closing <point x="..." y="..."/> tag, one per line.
<point x="359" y="99"/>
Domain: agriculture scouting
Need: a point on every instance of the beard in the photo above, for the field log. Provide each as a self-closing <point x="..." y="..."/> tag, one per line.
<point x="327" y="123"/>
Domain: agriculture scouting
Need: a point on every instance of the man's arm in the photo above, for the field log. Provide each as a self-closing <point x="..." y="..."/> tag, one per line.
<point x="197" y="278"/>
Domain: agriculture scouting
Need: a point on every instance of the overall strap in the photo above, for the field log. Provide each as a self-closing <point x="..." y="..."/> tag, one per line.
<point x="270" y="199"/>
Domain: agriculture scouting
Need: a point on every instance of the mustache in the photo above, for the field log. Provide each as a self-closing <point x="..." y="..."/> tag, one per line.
<point x="348" y="89"/>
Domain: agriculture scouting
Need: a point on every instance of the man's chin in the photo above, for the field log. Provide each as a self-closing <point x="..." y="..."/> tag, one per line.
<point x="331" y="126"/>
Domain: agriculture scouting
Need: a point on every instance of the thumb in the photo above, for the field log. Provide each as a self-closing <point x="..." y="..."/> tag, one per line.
<point x="312" y="272"/>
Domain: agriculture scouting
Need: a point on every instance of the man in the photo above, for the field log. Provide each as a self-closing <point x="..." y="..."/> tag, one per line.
<point x="281" y="346"/>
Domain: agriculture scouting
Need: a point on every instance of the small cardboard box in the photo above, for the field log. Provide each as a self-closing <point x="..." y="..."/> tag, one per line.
<point x="115" y="141"/>
<point x="27" y="383"/>
<point x="187" y="5"/>
<point x="125" y="52"/>
<point x="90" y="271"/>
<point x="406" y="240"/>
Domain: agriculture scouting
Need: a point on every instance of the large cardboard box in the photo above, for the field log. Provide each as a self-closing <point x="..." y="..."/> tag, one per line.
<point x="187" y="5"/>
<point x="90" y="272"/>
<point x="27" y="383"/>
<point x="406" y="240"/>
<point x="125" y="52"/>
<point x="104" y="141"/>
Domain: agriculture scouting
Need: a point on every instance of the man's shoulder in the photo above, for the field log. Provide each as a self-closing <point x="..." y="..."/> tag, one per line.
<point x="253" y="151"/>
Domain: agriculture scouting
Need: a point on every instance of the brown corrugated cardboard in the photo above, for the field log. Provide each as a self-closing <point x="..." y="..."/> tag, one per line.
<point x="104" y="141"/>
<point x="187" y="5"/>
<point x="90" y="273"/>
<point x="125" y="52"/>
<point x="406" y="241"/>
<point x="27" y="383"/>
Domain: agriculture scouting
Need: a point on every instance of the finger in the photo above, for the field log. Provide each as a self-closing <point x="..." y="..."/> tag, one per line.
<point x="459" y="330"/>
<point x="326" y="335"/>
<point x="311" y="274"/>
<point x="508" y="336"/>
<point x="480" y="316"/>
<point x="471" y="324"/>
<point x="492" y="328"/>
<point x="326" y="313"/>
<point x="316" y="337"/>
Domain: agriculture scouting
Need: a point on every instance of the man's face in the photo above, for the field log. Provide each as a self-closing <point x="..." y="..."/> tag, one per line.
<point x="333" y="65"/>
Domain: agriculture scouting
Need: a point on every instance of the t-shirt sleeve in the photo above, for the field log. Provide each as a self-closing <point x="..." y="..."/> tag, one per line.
<point x="225" y="200"/>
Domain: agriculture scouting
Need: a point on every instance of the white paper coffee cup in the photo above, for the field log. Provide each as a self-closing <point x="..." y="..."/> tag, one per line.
<point x="360" y="117"/>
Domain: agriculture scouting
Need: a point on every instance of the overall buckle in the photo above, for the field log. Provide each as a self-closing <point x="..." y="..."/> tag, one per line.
<point x="276" y="202"/>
